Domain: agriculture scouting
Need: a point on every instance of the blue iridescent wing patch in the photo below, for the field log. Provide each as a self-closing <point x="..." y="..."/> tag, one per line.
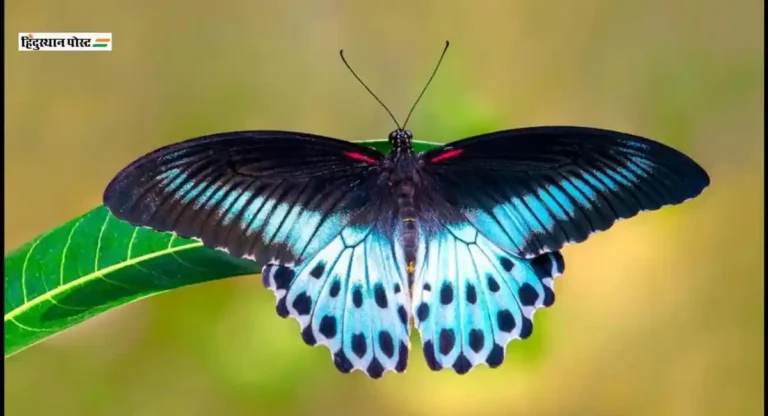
<point x="263" y="195"/>
<point x="471" y="298"/>
<point x="534" y="190"/>
<point x="352" y="297"/>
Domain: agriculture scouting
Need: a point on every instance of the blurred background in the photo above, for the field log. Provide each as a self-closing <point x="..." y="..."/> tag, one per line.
<point x="662" y="315"/>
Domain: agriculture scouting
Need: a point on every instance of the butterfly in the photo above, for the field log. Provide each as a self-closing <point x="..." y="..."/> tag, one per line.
<point x="461" y="242"/>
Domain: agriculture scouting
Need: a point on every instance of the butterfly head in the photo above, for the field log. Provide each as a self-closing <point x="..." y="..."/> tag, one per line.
<point x="400" y="140"/>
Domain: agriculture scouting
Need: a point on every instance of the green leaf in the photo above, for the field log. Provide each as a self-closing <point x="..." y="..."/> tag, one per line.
<point x="384" y="147"/>
<point x="95" y="263"/>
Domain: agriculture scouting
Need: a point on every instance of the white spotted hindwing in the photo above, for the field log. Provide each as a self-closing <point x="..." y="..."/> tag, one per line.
<point x="471" y="298"/>
<point x="351" y="297"/>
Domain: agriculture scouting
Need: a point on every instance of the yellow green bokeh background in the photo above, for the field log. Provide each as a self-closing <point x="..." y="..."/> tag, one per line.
<point x="662" y="315"/>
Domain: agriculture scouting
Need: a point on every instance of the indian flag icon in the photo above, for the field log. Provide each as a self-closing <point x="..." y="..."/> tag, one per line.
<point x="101" y="43"/>
<point x="65" y="41"/>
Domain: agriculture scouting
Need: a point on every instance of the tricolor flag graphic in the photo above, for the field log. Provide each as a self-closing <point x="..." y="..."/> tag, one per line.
<point x="101" y="43"/>
<point x="65" y="41"/>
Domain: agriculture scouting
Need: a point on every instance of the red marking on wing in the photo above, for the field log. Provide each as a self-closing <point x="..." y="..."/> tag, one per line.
<point x="447" y="155"/>
<point x="361" y="157"/>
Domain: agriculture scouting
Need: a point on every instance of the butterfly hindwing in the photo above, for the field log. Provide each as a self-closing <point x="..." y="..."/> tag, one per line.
<point x="351" y="297"/>
<point x="259" y="194"/>
<point x="471" y="298"/>
<point x="533" y="190"/>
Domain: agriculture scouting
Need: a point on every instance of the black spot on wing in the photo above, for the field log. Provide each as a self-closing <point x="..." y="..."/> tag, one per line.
<point x="505" y="320"/>
<point x="402" y="361"/>
<point x="380" y="296"/>
<point x="328" y="326"/>
<point x="335" y="287"/>
<point x="542" y="266"/>
<point x="318" y="270"/>
<point x="283" y="277"/>
<point x="282" y="308"/>
<point x="471" y="294"/>
<point x="342" y="362"/>
<point x="506" y="263"/>
<point x="446" y="294"/>
<point x="447" y="341"/>
<point x="422" y="312"/>
<point x="302" y="304"/>
<point x="462" y="365"/>
<point x="495" y="357"/>
<point x="476" y="340"/>
<point x="429" y="356"/>
<point x="386" y="344"/>
<point x="403" y="314"/>
<point x="308" y="336"/>
<point x="359" y="345"/>
<point x="528" y="295"/>
<point x="493" y="285"/>
<point x="549" y="296"/>
<point x="357" y="297"/>
<point x="526" y="329"/>
<point x="375" y="369"/>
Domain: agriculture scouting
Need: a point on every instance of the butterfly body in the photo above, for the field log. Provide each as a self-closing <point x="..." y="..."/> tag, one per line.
<point x="461" y="241"/>
<point x="401" y="172"/>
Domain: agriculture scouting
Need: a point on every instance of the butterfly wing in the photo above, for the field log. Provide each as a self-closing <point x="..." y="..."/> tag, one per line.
<point x="352" y="297"/>
<point x="300" y="204"/>
<point x="258" y="194"/>
<point x="533" y="190"/>
<point x="471" y="298"/>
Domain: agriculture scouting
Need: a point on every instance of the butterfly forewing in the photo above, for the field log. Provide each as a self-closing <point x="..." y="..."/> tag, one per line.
<point x="533" y="190"/>
<point x="263" y="194"/>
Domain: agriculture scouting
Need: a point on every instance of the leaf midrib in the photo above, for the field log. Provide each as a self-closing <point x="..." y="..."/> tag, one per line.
<point x="93" y="275"/>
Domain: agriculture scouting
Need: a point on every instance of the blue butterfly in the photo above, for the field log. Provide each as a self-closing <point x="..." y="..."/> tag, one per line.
<point x="461" y="241"/>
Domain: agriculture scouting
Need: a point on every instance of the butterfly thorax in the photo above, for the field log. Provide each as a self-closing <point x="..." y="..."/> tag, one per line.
<point x="401" y="142"/>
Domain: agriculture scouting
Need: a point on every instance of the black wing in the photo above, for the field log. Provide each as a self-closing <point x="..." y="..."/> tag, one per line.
<point x="259" y="194"/>
<point x="533" y="190"/>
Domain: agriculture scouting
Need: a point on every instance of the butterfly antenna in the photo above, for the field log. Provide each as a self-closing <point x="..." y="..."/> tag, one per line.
<point x="447" y="44"/>
<point x="341" y="53"/>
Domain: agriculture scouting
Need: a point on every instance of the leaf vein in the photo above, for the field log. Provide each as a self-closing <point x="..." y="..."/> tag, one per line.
<point x="64" y="252"/>
<point x="24" y="269"/>
<point x="29" y="328"/>
<point x="130" y="243"/>
<point x="98" y="243"/>
<point x="177" y="258"/>
<point x="160" y="275"/>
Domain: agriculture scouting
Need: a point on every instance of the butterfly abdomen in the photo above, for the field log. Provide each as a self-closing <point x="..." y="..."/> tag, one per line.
<point x="408" y="216"/>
